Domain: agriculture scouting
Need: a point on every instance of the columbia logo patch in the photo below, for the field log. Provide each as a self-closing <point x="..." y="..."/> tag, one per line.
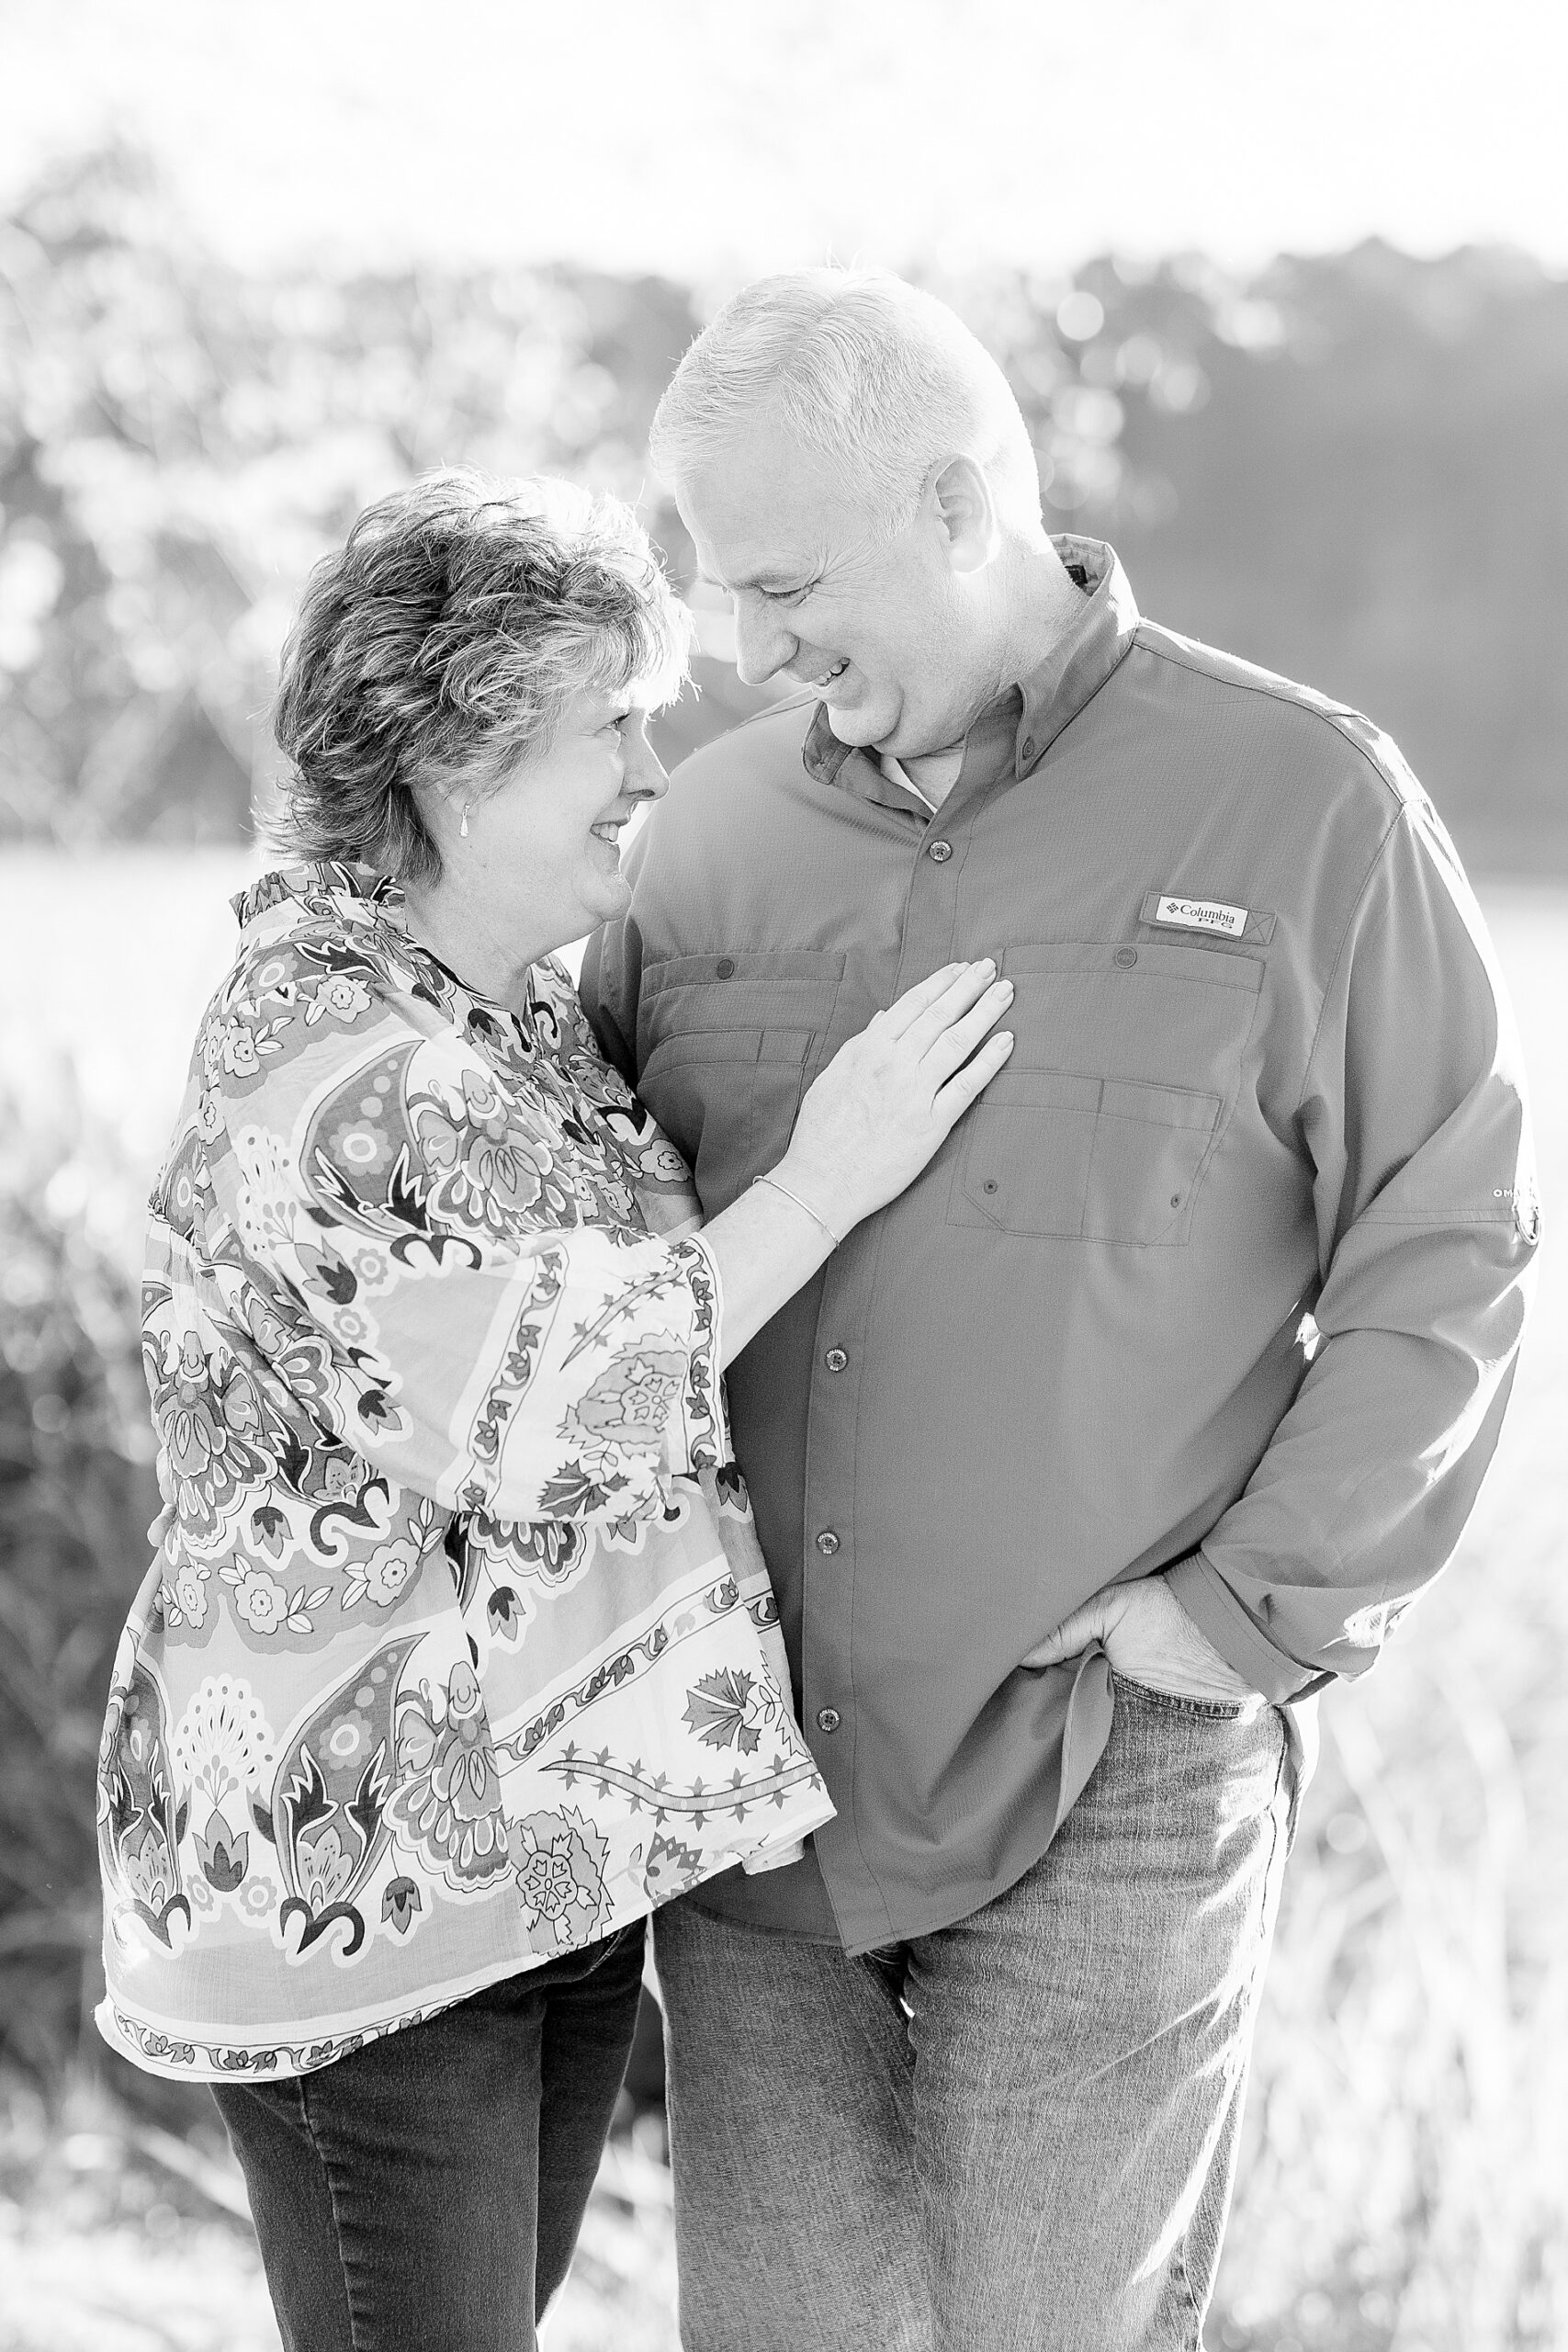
<point x="1201" y="914"/>
<point x="1215" y="918"/>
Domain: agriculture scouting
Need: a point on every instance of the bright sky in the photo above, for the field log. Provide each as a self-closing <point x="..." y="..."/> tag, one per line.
<point x="711" y="138"/>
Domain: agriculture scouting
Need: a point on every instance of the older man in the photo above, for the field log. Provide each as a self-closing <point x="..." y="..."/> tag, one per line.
<point x="1143" y="1414"/>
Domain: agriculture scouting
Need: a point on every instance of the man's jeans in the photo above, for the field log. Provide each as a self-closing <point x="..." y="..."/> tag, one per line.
<point x="395" y="2192"/>
<point x="1018" y="2132"/>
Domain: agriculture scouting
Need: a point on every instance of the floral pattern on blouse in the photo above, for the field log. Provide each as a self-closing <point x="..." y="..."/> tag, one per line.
<point x="458" y="1651"/>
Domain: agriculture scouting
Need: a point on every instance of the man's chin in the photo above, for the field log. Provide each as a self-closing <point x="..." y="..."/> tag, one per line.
<point x="858" y="728"/>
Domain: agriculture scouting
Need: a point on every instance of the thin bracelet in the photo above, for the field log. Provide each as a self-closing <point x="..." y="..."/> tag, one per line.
<point x="836" y="1238"/>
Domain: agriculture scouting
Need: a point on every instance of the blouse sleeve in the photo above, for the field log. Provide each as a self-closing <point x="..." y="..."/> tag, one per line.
<point x="406" y="1253"/>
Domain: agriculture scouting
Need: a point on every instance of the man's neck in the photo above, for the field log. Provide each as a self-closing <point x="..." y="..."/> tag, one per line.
<point x="1037" y="605"/>
<point x="1040" y="605"/>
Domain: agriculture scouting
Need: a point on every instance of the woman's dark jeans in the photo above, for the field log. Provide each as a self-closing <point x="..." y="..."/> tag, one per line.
<point x="424" y="2193"/>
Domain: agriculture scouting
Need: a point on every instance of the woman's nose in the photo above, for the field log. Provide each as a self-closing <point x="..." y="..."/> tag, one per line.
<point x="644" y="776"/>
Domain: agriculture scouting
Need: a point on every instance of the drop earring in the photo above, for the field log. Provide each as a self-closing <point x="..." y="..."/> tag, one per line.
<point x="463" y="828"/>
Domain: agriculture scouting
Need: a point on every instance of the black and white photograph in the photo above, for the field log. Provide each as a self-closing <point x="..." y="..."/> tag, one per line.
<point x="783" y="1358"/>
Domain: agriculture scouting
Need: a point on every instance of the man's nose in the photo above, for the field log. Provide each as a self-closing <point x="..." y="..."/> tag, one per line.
<point x="761" y="645"/>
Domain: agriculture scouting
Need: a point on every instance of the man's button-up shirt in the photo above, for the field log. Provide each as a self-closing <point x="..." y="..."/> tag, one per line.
<point x="1223" y="1275"/>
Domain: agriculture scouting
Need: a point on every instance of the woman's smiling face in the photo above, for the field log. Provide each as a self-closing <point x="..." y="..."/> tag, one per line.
<point x="542" y="853"/>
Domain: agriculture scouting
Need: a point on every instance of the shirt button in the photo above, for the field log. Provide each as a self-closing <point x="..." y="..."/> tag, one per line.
<point x="826" y="1542"/>
<point x="835" y="1359"/>
<point x="1126" y="958"/>
<point x="1028" y="747"/>
<point x="939" y="852"/>
<point x="828" y="1719"/>
<point x="725" y="968"/>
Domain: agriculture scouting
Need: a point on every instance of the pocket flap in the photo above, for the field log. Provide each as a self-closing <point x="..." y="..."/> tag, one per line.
<point x="1038" y="1089"/>
<point x="737" y="998"/>
<point x="704" y="1045"/>
<point x="1150" y="959"/>
<point x="743" y="968"/>
<point x="1159" y="1106"/>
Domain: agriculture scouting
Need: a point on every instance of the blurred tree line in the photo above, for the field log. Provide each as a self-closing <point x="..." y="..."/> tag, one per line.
<point x="1352" y="469"/>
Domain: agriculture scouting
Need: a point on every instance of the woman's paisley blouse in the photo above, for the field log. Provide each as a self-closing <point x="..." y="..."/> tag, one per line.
<point x="459" y="1650"/>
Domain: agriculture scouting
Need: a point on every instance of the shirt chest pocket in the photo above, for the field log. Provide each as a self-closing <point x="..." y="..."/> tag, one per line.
<point x="1106" y="1119"/>
<point x="726" y="1047"/>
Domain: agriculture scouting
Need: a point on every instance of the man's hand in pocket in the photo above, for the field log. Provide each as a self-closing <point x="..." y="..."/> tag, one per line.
<point x="1149" y="1638"/>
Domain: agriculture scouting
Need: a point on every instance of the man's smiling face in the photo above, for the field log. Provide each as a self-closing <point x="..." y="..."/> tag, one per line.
<point x="877" y="624"/>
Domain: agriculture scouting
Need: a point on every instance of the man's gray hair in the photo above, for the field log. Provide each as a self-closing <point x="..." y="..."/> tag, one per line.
<point x="877" y="377"/>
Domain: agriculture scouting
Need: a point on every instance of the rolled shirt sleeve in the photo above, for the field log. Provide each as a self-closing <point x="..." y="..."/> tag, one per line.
<point x="1413" y="1121"/>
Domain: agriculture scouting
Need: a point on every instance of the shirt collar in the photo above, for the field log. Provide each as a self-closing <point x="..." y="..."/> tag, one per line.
<point x="929" y="776"/>
<point x="1013" y="734"/>
<point x="325" y="891"/>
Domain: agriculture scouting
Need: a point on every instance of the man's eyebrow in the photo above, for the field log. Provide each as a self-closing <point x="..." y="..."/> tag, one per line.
<point x="765" y="580"/>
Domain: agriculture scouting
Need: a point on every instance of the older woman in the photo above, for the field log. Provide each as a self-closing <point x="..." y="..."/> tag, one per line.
<point x="458" y="1655"/>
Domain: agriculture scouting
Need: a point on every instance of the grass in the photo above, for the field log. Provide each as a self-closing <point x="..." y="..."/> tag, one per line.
<point x="1404" y="2182"/>
<point x="76" y="1493"/>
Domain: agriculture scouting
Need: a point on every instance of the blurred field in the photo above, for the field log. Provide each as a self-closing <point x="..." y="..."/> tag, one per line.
<point x="1405" y="2181"/>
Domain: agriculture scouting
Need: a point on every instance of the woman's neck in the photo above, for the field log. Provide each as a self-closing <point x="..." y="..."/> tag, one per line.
<point x="476" y="942"/>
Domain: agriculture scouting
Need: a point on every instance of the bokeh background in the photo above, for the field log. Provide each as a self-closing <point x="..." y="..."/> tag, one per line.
<point x="1283" y="292"/>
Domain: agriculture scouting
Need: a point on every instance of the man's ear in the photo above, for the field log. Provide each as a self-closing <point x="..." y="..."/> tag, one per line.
<point x="966" y="512"/>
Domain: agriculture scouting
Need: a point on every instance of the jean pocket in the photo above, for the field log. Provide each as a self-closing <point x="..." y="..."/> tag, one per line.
<point x="1182" y="1704"/>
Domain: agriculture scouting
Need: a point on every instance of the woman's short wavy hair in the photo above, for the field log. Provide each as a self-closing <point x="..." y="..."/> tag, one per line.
<point x="445" y="639"/>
